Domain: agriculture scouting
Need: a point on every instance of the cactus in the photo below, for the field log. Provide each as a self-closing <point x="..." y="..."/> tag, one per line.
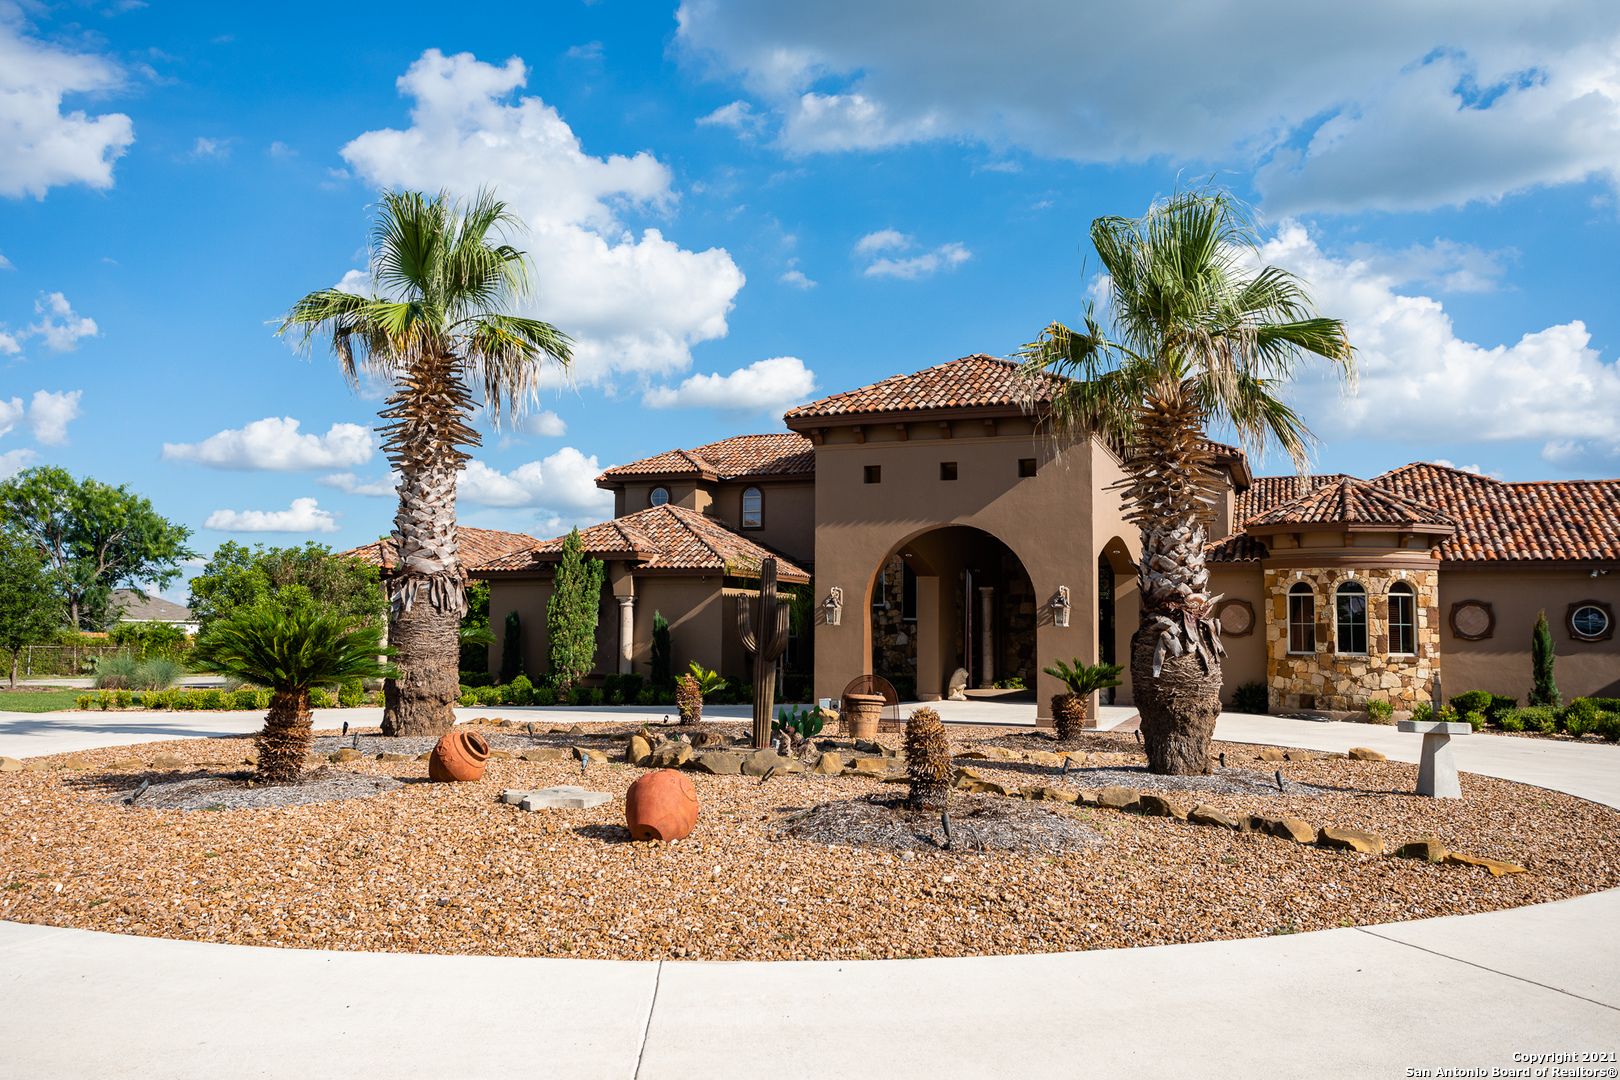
<point x="928" y="760"/>
<point x="774" y="618"/>
<point x="800" y="725"/>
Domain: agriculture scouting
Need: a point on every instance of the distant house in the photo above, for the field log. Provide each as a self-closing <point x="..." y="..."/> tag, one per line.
<point x="138" y="607"/>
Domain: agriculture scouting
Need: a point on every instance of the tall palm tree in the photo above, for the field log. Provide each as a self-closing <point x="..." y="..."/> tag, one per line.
<point x="442" y="277"/>
<point x="1200" y="335"/>
<point x="289" y="652"/>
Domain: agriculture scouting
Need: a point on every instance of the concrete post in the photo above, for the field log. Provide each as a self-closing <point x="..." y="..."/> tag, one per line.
<point x="987" y="636"/>
<point x="1437" y="769"/>
<point x="627" y="633"/>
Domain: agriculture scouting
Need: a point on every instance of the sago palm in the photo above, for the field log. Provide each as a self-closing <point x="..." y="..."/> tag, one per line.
<point x="289" y="652"/>
<point x="435" y="324"/>
<point x="1200" y="334"/>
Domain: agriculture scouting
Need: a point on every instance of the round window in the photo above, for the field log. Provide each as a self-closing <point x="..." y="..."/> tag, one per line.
<point x="1590" y="621"/>
<point x="660" y="496"/>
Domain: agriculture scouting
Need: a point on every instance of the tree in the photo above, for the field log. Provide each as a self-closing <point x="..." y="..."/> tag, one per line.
<point x="660" y="650"/>
<point x="289" y="651"/>
<point x="286" y="578"/>
<point x="571" y="613"/>
<point x="30" y="607"/>
<point x="443" y="276"/>
<point x="1201" y="334"/>
<point x="476" y="636"/>
<point x="94" y="537"/>
<point x="1544" y="691"/>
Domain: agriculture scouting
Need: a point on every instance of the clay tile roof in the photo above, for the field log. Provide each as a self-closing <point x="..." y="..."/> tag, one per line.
<point x="973" y="381"/>
<point x="1239" y="547"/>
<point x="784" y="454"/>
<point x="1497" y="521"/>
<point x="475" y="546"/>
<point x="1351" y="502"/>
<point x="661" y="538"/>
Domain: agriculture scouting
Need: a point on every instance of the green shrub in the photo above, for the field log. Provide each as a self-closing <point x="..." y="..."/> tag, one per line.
<point x="1606" y="704"/>
<point x="1580" y="713"/>
<point x="1539" y="718"/>
<point x="520" y="692"/>
<point x="469" y="697"/>
<point x="621" y="689"/>
<point x="85" y="702"/>
<point x="116" y="672"/>
<point x="545" y="696"/>
<point x="1499" y="707"/>
<point x="666" y="696"/>
<point x="319" y="699"/>
<point x="212" y="700"/>
<point x="245" y="698"/>
<point x="477" y="678"/>
<point x="598" y="697"/>
<point x="486" y="696"/>
<point x="157" y="673"/>
<point x="1251" y="697"/>
<point x="124" y="698"/>
<point x="578" y="695"/>
<point x="1511" y="721"/>
<point x="1380" y="712"/>
<point x="1475" y="720"/>
<point x="1472" y="701"/>
<point x="1608" y="726"/>
<point x="647" y="697"/>
<point x="352" y="694"/>
<point x="1423" y="712"/>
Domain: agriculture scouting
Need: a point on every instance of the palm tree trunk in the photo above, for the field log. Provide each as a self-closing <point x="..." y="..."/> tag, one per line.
<point x="1175" y="653"/>
<point x="287" y="736"/>
<point x="427" y="599"/>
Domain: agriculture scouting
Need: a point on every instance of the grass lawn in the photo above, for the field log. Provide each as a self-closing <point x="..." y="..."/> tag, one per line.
<point x="40" y="701"/>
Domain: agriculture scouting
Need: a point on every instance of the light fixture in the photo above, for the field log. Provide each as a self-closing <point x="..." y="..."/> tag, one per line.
<point x="1060" y="606"/>
<point x="834" y="605"/>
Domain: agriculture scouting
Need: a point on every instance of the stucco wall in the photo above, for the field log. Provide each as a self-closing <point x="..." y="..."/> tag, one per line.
<point x="790" y="515"/>
<point x="1245" y="659"/>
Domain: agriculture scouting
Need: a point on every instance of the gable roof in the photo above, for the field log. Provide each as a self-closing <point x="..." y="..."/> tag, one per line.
<point x="664" y="537"/>
<point x="474" y="546"/>
<point x="140" y="607"/>
<point x="1351" y="502"/>
<point x="783" y="454"/>
<point x="977" y="381"/>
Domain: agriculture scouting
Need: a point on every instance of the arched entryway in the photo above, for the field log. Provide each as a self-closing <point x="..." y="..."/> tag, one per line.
<point x="953" y="597"/>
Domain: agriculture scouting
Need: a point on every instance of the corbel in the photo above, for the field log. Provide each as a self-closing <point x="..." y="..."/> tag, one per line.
<point x="901" y="431"/>
<point x="944" y="429"/>
<point x="860" y="433"/>
<point x="989" y="428"/>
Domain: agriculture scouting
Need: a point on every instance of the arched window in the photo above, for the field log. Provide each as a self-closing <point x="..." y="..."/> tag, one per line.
<point x="1301" y="619"/>
<point x="753" y="509"/>
<point x="1352" y="617"/>
<point x="660" y="496"/>
<point x="1402" y="620"/>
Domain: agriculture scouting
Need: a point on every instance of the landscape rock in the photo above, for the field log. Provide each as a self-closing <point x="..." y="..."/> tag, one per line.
<point x="10" y="764"/>
<point x="991" y="787"/>
<point x="1001" y="753"/>
<point x="419" y="757"/>
<point x="637" y="750"/>
<point x="1204" y="814"/>
<point x="125" y="763"/>
<point x="761" y="762"/>
<point x="348" y="753"/>
<point x="867" y="746"/>
<point x="502" y="755"/>
<point x="1115" y="797"/>
<point x="1423" y="848"/>
<point x="1088" y="798"/>
<point x="1269" y="754"/>
<point x="596" y="757"/>
<point x="575" y="730"/>
<point x="393" y="757"/>
<point x="870" y="766"/>
<point x="1048" y="794"/>
<point x="75" y="763"/>
<point x="1361" y="753"/>
<point x="1046" y="757"/>
<point x="1159" y="806"/>
<point x="1350" y="840"/>
<point x="1286" y="828"/>
<point x="718" y="763"/>
<point x="547" y="753"/>
<point x="168" y="762"/>
<point x="971" y="755"/>
<point x="1495" y="866"/>
<point x="670" y="755"/>
<point x="830" y="763"/>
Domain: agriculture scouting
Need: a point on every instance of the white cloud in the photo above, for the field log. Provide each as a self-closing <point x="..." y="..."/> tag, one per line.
<point x="303" y="516"/>
<point x="275" y="444"/>
<point x="1475" y="469"/>
<point x="945" y="257"/>
<point x="591" y="50"/>
<point x="797" y="279"/>
<point x="40" y="146"/>
<point x="15" y="461"/>
<point x="1420" y="382"/>
<point x="1379" y="104"/>
<point x="883" y="240"/>
<point x="350" y="484"/>
<point x="545" y="423"/>
<point x="11" y="414"/>
<point x="5" y="263"/>
<point x="562" y="485"/>
<point x="218" y="149"/>
<point x="739" y="116"/>
<point x="10" y="344"/>
<point x="50" y="413"/>
<point x="631" y="303"/>
<point x="769" y="386"/>
<point x="355" y="283"/>
<point x="60" y="336"/>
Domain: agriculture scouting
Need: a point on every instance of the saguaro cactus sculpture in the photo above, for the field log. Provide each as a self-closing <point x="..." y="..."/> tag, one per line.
<point x="771" y="642"/>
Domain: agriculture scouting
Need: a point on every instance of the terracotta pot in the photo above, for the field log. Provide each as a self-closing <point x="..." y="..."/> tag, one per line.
<point x="662" y="805"/>
<point x="459" y="756"/>
<point x="861" y="715"/>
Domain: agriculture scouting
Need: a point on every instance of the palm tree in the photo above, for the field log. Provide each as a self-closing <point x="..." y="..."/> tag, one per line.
<point x="1200" y="334"/>
<point x="442" y="276"/>
<point x="289" y="652"/>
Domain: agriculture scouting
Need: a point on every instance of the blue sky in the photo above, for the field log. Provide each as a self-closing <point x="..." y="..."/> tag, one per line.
<point x="735" y="206"/>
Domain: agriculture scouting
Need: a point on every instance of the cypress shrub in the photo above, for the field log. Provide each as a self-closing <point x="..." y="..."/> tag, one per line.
<point x="1545" y="690"/>
<point x="571" y="612"/>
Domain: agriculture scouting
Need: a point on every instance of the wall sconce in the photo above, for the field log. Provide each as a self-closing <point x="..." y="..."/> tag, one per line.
<point x="834" y="605"/>
<point x="1061" y="606"/>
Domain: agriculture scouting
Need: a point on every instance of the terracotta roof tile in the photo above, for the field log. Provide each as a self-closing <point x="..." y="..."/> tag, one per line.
<point x="972" y="381"/>
<point x="1239" y="547"/>
<point x="784" y="454"/>
<point x="661" y="538"/>
<point x="1350" y="502"/>
<point x="475" y="546"/>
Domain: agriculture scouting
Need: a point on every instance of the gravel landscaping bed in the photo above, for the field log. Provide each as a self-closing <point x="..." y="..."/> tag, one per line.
<point x="447" y="868"/>
<point x="237" y="791"/>
<point x="978" y="823"/>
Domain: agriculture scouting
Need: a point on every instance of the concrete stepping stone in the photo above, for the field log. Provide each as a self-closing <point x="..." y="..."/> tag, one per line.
<point x="566" y="797"/>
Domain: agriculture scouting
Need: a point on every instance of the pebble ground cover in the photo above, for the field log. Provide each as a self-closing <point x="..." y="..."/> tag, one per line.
<point x="447" y="868"/>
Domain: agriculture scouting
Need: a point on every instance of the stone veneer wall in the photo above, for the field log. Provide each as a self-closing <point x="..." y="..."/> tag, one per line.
<point x="894" y="640"/>
<point x="1349" y="682"/>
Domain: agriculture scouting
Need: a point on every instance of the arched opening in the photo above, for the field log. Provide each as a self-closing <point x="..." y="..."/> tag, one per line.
<point x="1105" y="621"/>
<point x="954" y="597"/>
<point x="1402" y="620"/>
<point x="1301" y="619"/>
<point x="1350" y="623"/>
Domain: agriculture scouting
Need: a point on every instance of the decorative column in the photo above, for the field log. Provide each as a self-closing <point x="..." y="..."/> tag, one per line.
<point x="627" y="632"/>
<point x="987" y="636"/>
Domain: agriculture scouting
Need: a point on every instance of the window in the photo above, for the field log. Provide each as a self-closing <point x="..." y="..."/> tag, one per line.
<point x="1026" y="466"/>
<point x="1590" y="620"/>
<point x="947" y="470"/>
<point x="660" y="496"/>
<point x="874" y="474"/>
<point x="753" y="509"/>
<point x="1301" y="619"/>
<point x="1352" y="618"/>
<point x="1402" y="620"/>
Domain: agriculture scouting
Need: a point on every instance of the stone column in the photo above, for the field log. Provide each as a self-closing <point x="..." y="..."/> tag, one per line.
<point x="987" y="636"/>
<point x="627" y="632"/>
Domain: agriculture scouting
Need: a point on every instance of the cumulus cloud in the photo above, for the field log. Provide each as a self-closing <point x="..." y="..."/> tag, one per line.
<point x="61" y="327"/>
<point x="350" y="484"/>
<point x="50" y="413"/>
<point x="1420" y="382"/>
<point x="10" y="343"/>
<point x="944" y="257"/>
<point x="276" y="445"/>
<point x="303" y="516"/>
<point x="768" y="386"/>
<point x="545" y="423"/>
<point x="562" y="485"/>
<point x="797" y="279"/>
<point x="1381" y="104"/>
<point x="739" y="116"/>
<point x="42" y="147"/>
<point x="15" y="461"/>
<point x="634" y="304"/>
<point x="11" y="414"/>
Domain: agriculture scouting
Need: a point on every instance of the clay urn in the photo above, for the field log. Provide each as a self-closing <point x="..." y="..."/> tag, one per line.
<point x="861" y="714"/>
<point x="662" y="805"/>
<point x="459" y="756"/>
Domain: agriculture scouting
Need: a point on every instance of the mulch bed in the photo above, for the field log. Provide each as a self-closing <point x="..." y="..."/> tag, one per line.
<point x="447" y="868"/>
